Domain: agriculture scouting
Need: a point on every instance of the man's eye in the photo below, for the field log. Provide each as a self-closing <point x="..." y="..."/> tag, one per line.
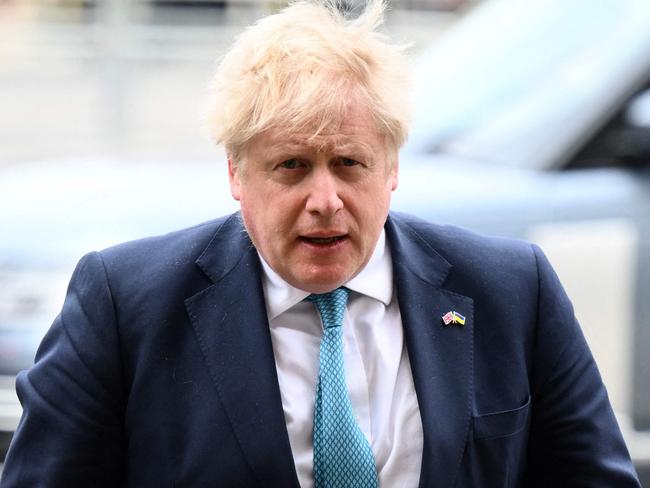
<point x="290" y="164"/>
<point x="349" y="162"/>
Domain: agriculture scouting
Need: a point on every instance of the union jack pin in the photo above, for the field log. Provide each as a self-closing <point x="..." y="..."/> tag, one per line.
<point x="453" y="317"/>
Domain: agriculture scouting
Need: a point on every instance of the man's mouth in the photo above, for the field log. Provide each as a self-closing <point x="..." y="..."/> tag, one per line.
<point x="322" y="241"/>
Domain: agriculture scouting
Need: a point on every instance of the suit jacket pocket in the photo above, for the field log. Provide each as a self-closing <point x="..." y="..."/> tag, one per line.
<point x="501" y="424"/>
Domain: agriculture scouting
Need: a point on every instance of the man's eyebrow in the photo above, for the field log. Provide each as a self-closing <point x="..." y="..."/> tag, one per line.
<point x="284" y="148"/>
<point x="288" y="146"/>
<point x="353" y="148"/>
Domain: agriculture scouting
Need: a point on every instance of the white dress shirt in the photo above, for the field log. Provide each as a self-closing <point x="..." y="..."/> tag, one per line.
<point x="377" y="369"/>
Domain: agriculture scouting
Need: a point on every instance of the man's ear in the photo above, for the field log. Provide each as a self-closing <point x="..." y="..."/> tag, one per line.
<point x="393" y="178"/>
<point x="234" y="178"/>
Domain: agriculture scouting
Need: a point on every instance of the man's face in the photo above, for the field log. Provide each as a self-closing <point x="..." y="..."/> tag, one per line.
<point x="314" y="208"/>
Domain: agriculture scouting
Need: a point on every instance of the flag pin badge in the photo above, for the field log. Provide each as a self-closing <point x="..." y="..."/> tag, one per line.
<point x="453" y="318"/>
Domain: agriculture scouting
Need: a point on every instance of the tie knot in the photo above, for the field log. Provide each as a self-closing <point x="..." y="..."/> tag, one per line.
<point x="331" y="306"/>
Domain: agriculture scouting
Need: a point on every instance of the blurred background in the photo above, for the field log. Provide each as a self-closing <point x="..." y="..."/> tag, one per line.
<point x="532" y="120"/>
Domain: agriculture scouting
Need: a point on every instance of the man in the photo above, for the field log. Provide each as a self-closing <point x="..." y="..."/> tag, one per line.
<point x="314" y="338"/>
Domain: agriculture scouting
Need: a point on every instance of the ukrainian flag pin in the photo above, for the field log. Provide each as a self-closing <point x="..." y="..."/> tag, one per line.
<point x="453" y="318"/>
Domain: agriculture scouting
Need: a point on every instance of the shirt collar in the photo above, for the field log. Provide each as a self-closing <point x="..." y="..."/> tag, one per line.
<point x="375" y="280"/>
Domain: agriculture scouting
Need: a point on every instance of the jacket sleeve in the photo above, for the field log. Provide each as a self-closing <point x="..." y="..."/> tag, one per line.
<point x="71" y="431"/>
<point x="574" y="438"/>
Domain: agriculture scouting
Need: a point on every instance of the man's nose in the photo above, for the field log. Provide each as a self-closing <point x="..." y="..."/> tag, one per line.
<point x="323" y="193"/>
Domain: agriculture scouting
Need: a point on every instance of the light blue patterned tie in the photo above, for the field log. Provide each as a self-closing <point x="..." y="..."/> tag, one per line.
<point x="342" y="455"/>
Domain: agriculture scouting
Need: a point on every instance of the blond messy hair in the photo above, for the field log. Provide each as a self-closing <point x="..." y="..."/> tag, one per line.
<point x="299" y="69"/>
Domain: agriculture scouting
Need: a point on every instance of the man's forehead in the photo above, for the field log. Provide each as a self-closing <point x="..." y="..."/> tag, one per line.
<point x="318" y="142"/>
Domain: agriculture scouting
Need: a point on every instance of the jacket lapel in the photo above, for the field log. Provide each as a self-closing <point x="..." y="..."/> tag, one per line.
<point x="229" y="319"/>
<point x="440" y="355"/>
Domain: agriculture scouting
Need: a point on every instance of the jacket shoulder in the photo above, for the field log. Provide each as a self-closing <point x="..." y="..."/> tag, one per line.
<point x="174" y="248"/>
<point x="468" y="251"/>
<point x="161" y="264"/>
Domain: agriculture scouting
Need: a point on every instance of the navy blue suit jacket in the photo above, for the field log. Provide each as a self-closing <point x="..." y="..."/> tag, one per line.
<point x="159" y="371"/>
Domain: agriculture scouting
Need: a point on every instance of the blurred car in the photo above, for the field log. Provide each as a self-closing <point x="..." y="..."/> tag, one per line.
<point x="532" y="120"/>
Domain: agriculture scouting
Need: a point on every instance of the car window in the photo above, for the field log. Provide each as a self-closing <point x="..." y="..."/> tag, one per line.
<point x="520" y="82"/>
<point x="624" y="141"/>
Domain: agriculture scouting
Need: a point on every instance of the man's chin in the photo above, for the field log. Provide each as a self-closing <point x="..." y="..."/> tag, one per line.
<point x="320" y="281"/>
